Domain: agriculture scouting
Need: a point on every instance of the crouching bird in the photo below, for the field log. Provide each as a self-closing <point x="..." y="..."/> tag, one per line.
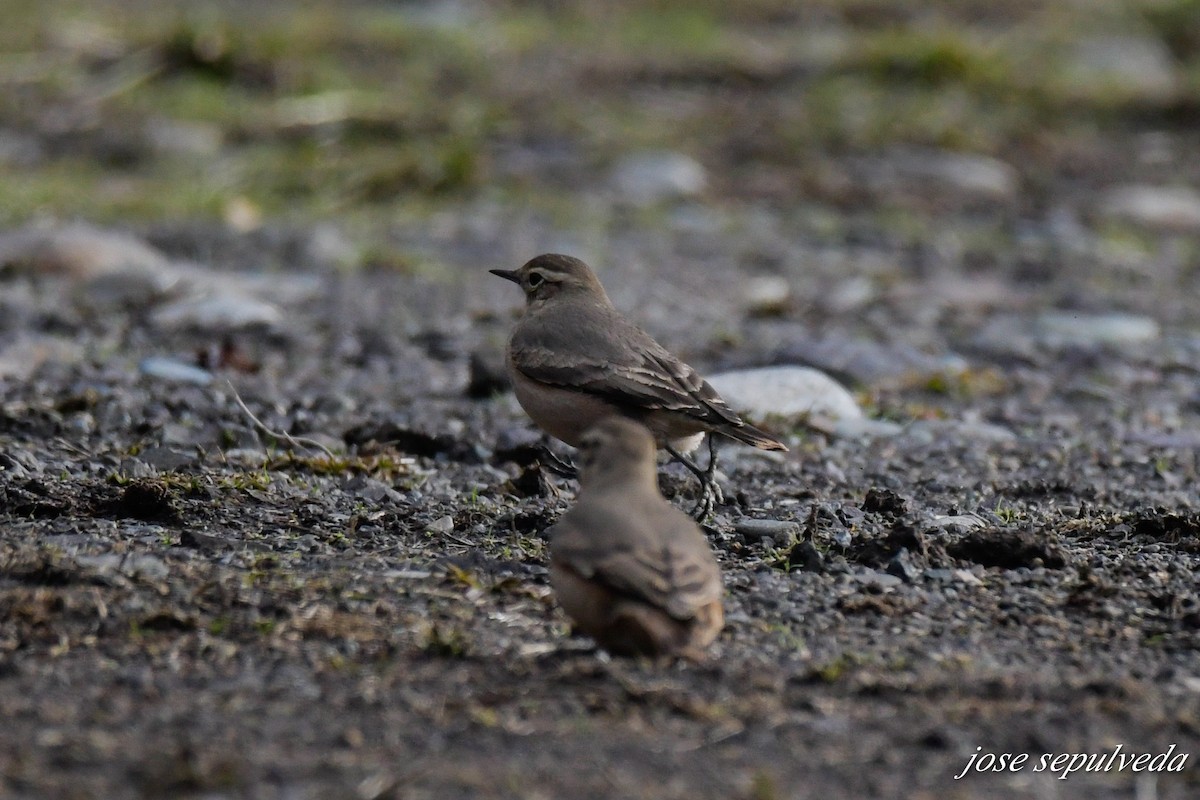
<point x="631" y="570"/>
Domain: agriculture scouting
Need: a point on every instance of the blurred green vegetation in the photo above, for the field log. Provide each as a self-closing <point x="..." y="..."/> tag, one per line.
<point x="270" y="109"/>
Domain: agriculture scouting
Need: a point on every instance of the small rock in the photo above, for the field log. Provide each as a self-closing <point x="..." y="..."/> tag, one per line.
<point x="806" y="557"/>
<point x="17" y="463"/>
<point x="1112" y="68"/>
<point x="441" y="525"/>
<point x="168" y="369"/>
<point x="767" y="295"/>
<point x="973" y="176"/>
<point x="795" y="394"/>
<point x="876" y="579"/>
<point x="178" y="137"/>
<point x="109" y="565"/>
<point x="959" y="522"/>
<point x="328" y="246"/>
<point x="221" y="312"/>
<point x="784" y="533"/>
<point x="166" y="459"/>
<point x="1026" y="337"/>
<point x="864" y="428"/>
<point x="655" y="176"/>
<point x="114" y="291"/>
<point x="903" y="567"/>
<point x="372" y="490"/>
<point x="22" y="358"/>
<point x="1067" y="328"/>
<point x="967" y="577"/>
<point x="78" y="250"/>
<point x="884" y="501"/>
<point x="1168" y="208"/>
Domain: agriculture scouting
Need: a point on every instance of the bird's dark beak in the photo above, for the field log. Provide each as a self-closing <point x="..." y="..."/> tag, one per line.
<point x="507" y="274"/>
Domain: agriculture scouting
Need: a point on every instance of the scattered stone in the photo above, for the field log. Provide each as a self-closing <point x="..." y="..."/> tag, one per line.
<point x="124" y="290"/>
<point x="22" y="358"/>
<point x="794" y="394"/>
<point x="959" y="522"/>
<point x="874" y="579"/>
<point x="783" y="533"/>
<point x="372" y="490"/>
<point x="652" y="177"/>
<point x="973" y="177"/>
<point x="1115" y="68"/>
<point x="441" y="525"/>
<point x="110" y="565"/>
<point x="1168" y="208"/>
<point x="1068" y="328"/>
<point x="767" y="295"/>
<point x="1027" y="337"/>
<point x="19" y="463"/>
<point x="864" y="428"/>
<point x="179" y="137"/>
<point x="807" y="557"/>
<point x="942" y="574"/>
<point x="884" y="501"/>
<point x="903" y="566"/>
<point x="166" y="459"/>
<point x="220" y="312"/>
<point x="328" y="246"/>
<point x="78" y="250"/>
<point x="168" y="369"/>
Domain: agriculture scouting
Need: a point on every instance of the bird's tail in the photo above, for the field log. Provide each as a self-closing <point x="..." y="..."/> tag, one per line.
<point x="748" y="434"/>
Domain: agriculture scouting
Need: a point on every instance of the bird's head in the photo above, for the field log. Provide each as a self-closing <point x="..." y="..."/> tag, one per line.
<point x="617" y="449"/>
<point x="552" y="275"/>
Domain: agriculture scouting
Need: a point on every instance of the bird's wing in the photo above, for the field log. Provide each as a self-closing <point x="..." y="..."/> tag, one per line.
<point x="675" y="573"/>
<point x="615" y="360"/>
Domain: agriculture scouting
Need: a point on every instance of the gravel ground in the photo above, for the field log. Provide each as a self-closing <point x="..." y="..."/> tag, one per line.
<point x="274" y="528"/>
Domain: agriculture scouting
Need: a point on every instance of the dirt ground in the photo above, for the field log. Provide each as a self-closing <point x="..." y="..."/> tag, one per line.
<point x="193" y="607"/>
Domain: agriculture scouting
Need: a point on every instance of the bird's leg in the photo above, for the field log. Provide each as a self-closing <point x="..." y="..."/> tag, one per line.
<point x="710" y="491"/>
<point x="563" y="467"/>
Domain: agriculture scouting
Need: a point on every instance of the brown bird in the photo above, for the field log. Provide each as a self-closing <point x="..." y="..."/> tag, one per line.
<point x="634" y="572"/>
<point x="574" y="360"/>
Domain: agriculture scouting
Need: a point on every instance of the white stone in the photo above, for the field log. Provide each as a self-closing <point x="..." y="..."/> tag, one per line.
<point x="651" y="177"/>
<point x="1065" y="327"/>
<point x="976" y="176"/>
<point x="767" y="294"/>
<point x="79" y="250"/>
<point x="168" y="369"/>
<point x="220" y="312"/>
<point x="795" y="394"/>
<point x="1169" y="208"/>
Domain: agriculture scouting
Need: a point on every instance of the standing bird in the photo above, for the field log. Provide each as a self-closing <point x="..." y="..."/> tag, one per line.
<point x="574" y="360"/>
<point x="633" y="572"/>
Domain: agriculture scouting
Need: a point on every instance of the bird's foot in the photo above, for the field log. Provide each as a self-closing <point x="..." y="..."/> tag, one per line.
<point x="711" y="495"/>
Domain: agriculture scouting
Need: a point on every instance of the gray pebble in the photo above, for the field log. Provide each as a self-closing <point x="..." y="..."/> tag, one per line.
<point x="784" y="533"/>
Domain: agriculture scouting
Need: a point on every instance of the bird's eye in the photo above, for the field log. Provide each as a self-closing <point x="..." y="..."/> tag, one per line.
<point x="535" y="280"/>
